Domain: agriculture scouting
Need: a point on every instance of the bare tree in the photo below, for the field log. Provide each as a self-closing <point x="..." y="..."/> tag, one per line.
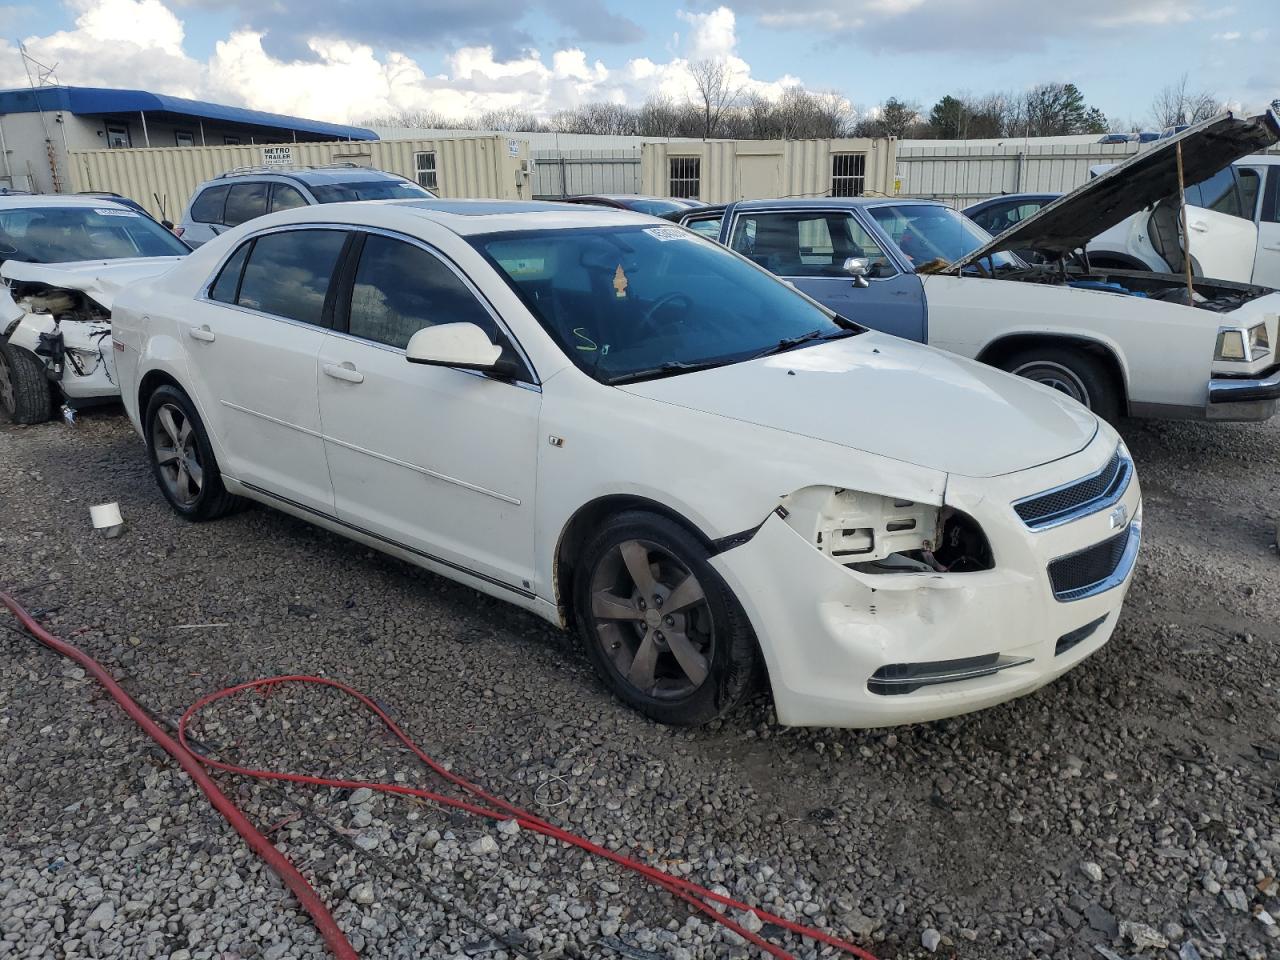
<point x="418" y="119"/>
<point x="1176" y="104"/>
<point x="508" y="120"/>
<point x="717" y="92"/>
<point x="658" y="117"/>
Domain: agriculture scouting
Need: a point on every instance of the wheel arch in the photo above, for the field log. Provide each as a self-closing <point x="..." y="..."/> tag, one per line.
<point x="151" y="381"/>
<point x="998" y="351"/>
<point x="576" y="530"/>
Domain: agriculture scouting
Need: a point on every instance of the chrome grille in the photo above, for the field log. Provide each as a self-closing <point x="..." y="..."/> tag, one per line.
<point x="1079" y="498"/>
<point x="1088" y="571"/>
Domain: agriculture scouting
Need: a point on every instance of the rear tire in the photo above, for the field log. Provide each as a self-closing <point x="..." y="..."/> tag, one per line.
<point x="182" y="459"/>
<point x="1080" y="376"/>
<point x="26" y="395"/>
<point x="660" y="626"/>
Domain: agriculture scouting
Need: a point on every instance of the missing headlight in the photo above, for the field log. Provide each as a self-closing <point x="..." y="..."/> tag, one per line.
<point x="877" y="534"/>
<point x="961" y="548"/>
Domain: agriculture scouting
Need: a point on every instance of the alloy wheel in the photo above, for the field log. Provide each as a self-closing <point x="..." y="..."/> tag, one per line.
<point x="652" y="620"/>
<point x="8" y="396"/>
<point x="173" y="445"/>
<point x="1055" y="375"/>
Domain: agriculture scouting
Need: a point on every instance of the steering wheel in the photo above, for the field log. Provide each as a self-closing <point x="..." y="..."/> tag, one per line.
<point x="664" y="301"/>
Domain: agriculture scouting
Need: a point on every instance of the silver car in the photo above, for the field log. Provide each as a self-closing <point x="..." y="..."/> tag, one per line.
<point x="244" y="193"/>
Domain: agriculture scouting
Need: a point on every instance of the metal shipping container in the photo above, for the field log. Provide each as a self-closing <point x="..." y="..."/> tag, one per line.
<point x="719" y="171"/>
<point x="163" y="178"/>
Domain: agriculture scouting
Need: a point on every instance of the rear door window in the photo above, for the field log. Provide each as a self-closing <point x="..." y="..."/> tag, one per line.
<point x="244" y="202"/>
<point x="285" y="197"/>
<point x="224" y="288"/>
<point x="207" y="208"/>
<point x="288" y="273"/>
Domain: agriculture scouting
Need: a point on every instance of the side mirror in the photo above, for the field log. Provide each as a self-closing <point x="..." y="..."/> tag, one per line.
<point x="462" y="345"/>
<point x="858" y="268"/>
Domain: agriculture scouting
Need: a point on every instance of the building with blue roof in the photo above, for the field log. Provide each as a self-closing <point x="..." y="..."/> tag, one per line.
<point x="39" y="127"/>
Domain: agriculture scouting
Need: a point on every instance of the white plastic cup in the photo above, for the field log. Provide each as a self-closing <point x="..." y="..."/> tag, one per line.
<point x="106" y="517"/>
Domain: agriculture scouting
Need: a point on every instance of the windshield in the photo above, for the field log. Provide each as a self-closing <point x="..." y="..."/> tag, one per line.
<point x="389" y="189"/>
<point x="67" y="234"/>
<point x="632" y="302"/>
<point x="925" y="232"/>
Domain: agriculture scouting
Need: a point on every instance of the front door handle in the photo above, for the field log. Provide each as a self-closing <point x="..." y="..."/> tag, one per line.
<point x="203" y="334"/>
<point x="1199" y="227"/>
<point x="1271" y="246"/>
<point x="343" y="371"/>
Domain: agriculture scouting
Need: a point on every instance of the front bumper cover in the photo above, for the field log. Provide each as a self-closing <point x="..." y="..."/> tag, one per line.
<point x="828" y="633"/>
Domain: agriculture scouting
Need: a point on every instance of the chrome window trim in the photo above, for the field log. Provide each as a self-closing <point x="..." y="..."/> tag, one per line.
<point x="1127" y="560"/>
<point x="1086" y="509"/>
<point x="887" y="250"/>
<point x="203" y="295"/>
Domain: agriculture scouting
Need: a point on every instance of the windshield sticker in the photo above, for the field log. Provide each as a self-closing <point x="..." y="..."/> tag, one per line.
<point x="620" y="283"/>
<point x="667" y="233"/>
<point x="111" y="212"/>
<point x="585" y="342"/>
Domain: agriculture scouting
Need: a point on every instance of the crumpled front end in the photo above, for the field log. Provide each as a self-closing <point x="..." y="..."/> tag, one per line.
<point x="68" y="332"/>
<point x="912" y="635"/>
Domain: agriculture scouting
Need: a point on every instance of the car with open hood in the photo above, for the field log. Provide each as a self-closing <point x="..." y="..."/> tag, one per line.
<point x="620" y="426"/>
<point x="1118" y="341"/>
<point x="63" y="259"/>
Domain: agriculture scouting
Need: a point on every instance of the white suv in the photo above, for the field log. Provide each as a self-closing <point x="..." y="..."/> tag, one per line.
<point x="242" y="194"/>
<point x="614" y="423"/>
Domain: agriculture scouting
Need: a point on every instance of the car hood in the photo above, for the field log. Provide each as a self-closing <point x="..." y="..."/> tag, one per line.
<point x="892" y="398"/>
<point x="1118" y="193"/>
<point x="101" y="280"/>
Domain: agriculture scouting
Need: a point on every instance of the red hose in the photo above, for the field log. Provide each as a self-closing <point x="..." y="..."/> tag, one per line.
<point x="485" y="805"/>
<point x="260" y="845"/>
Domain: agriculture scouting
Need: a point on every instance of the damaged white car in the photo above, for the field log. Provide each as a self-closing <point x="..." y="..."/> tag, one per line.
<point x="64" y="260"/>
<point x="619" y="425"/>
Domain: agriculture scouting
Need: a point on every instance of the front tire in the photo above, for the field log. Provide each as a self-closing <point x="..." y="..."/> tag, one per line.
<point x="25" y="392"/>
<point x="660" y="626"/>
<point x="182" y="459"/>
<point x="1079" y="375"/>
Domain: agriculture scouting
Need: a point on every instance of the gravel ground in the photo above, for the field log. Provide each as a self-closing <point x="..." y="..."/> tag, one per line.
<point x="1131" y="807"/>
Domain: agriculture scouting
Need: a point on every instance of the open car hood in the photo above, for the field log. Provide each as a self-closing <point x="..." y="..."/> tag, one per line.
<point x="101" y="280"/>
<point x="1075" y="218"/>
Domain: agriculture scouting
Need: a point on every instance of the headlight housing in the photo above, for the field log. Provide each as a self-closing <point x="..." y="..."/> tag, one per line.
<point x="1238" y="344"/>
<point x="877" y="534"/>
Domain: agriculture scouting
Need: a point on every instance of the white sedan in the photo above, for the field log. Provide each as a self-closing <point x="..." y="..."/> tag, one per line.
<point x="63" y="259"/>
<point x="623" y="427"/>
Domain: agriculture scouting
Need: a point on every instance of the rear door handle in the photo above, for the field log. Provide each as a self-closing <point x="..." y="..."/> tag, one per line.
<point x="203" y="334"/>
<point x="344" y="371"/>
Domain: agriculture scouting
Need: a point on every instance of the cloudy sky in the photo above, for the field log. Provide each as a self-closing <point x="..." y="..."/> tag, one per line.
<point x="344" y="61"/>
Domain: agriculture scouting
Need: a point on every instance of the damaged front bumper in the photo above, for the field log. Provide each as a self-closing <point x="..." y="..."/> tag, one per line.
<point x="853" y="649"/>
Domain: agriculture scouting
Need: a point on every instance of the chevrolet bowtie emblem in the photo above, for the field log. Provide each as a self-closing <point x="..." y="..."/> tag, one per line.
<point x="1119" y="517"/>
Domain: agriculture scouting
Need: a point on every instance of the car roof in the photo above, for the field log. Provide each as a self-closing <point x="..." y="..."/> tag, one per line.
<point x="462" y="217"/>
<point x="17" y="201"/>
<point x="817" y="203"/>
<point x="318" y="176"/>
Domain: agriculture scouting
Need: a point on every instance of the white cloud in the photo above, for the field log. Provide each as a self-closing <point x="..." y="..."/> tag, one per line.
<point x="140" y="43"/>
